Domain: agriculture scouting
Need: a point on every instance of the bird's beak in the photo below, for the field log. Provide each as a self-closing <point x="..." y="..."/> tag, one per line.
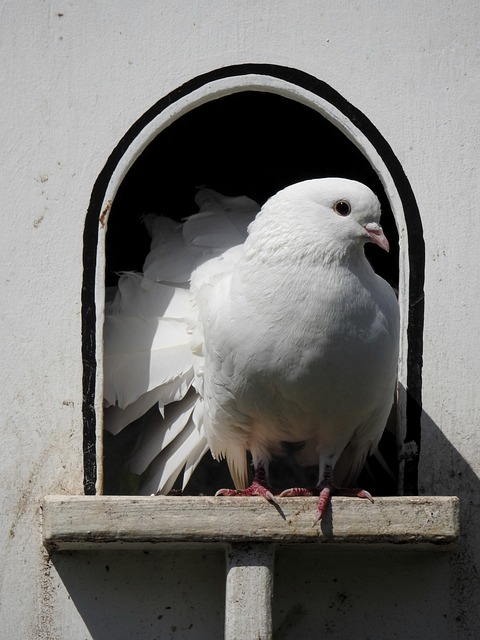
<point x="377" y="236"/>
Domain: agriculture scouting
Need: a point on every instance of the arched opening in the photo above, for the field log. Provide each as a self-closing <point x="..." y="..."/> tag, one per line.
<point x="254" y="140"/>
<point x="252" y="143"/>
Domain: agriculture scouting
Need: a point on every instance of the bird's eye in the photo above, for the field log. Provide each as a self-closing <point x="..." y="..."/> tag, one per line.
<point x="342" y="207"/>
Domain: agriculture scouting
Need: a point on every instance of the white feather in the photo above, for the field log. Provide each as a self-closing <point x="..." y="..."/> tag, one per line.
<point x="139" y="297"/>
<point x="168" y="465"/>
<point x="152" y="343"/>
<point x="142" y="354"/>
<point x="169" y="259"/>
<point x="116" y="419"/>
<point x="301" y="337"/>
<point x="159" y="432"/>
<point x="221" y="223"/>
<point x="287" y="337"/>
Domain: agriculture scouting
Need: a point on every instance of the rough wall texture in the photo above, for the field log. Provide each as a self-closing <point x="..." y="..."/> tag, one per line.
<point x="74" y="77"/>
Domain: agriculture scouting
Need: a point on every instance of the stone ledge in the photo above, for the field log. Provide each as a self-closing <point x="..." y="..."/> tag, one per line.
<point x="88" y="522"/>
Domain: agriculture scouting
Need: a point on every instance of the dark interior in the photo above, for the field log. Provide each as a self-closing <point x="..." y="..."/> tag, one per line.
<point x="249" y="143"/>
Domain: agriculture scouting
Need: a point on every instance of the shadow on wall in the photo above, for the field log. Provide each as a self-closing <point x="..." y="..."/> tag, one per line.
<point x="339" y="593"/>
<point x="147" y="595"/>
<point x="444" y="471"/>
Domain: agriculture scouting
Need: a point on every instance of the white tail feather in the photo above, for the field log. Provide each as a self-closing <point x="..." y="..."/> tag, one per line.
<point x="141" y="354"/>
<point x="116" y="419"/>
<point x="237" y="465"/>
<point x="142" y="298"/>
<point x="150" y="353"/>
<point x="166" y="468"/>
<point x="159" y="432"/>
<point x="192" y="462"/>
<point x="169" y="259"/>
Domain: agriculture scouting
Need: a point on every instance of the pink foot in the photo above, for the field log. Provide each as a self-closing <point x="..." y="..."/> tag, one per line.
<point x="255" y="489"/>
<point x="327" y="489"/>
<point x="323" y="500"/>
<point x="353" y="493"/>
<point x="295" y="492"/>
<point x="259" y="487"/>
<point x="327" y="492"/>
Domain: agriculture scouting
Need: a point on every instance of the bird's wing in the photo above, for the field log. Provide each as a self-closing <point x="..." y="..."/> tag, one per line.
<point x="153" y="343"/>
<point x="363" y="444"/>
<point x="366" y="438"/>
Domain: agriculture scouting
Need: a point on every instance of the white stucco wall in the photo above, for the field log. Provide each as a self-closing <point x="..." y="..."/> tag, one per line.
<point x="74" y="77"/>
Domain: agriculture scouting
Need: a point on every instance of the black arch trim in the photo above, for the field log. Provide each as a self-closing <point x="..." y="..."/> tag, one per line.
<point x="415" y="243"/>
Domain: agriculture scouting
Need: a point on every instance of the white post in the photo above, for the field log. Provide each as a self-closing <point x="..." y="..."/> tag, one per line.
<point x="249" y="592"/>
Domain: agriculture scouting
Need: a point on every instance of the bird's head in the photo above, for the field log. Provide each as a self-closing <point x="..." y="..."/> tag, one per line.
<point x="334" y="215"/>
<point x="350" y="210"/>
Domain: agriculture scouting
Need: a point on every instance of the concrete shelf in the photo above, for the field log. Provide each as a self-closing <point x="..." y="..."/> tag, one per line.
<point x="106" y="522"/>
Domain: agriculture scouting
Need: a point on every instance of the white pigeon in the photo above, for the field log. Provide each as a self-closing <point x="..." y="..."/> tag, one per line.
<point x="290" y="337"/>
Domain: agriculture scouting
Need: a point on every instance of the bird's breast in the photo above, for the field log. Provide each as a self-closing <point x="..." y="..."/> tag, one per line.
<point x="295" y="356"/>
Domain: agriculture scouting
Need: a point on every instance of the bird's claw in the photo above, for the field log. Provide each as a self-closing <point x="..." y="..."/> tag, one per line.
<point x="255" y="489"/>
<point x="295" y="492"/>
<point x="323" y="502"/>
<point x="361" y="493"/>
<point x="326" y="494"/>
<point x="227" y="492"/>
